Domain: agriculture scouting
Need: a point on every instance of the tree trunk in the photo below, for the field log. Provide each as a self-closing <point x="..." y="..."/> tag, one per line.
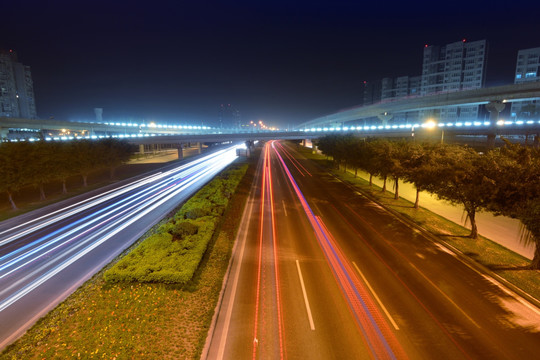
<point x="396" y="195"/>
<point x="370" y="180"/>
<point x="85" y="182"/>
<point x="345" y="169"/>
<point x="417" y="199"/>
<point x="42" y="193"/>
<point x="535" y="263"/>
<point x="474" y="229"/>
<point x="384" y="184"/>
<point x="10" y="198"/>
<point x="64" y="187"/>
<point x="355" y="172"/>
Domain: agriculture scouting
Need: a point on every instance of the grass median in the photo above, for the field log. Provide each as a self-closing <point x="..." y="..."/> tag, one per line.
<point x="507" y="264"/>
<point x="128" y="320"/>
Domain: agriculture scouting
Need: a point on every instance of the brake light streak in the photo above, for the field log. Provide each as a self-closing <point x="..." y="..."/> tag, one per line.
<point x="263" y="339"/>
<point x="378" y="335"/>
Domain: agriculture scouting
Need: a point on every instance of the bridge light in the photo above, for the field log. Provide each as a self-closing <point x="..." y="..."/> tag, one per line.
<point x="468" y="123"/>
<point x="487" y="123"/>
<point x="430" y="124"/>
<point x="477" y="123"/>
<point x="459" y="124"/>
<point x="500" y="122"/>
<point x="519" y="122"/>
<point x="530" y="122"/>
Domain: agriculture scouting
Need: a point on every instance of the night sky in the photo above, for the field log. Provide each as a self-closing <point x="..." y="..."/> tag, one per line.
<point x="284" y="62"/>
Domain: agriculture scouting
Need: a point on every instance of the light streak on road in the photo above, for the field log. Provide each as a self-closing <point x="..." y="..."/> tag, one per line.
<point x="264" y="339"/>
<point x="94" y="230"/>
<point x="377" y="333"/>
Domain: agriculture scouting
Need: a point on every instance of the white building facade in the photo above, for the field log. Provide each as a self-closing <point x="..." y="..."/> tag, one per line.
<point x="453" y="67"/>
<point x="527" y="70"/>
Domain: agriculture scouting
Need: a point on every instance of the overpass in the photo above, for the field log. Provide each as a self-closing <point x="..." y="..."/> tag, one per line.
<point x="493" y="97"/>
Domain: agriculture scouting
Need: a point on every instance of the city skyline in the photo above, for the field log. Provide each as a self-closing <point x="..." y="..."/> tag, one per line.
<point x="282" y="63"/>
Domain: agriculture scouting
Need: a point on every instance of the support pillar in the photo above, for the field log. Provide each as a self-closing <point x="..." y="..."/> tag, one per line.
<point x="180" y="151"/>
<point x="536" y="143"/>
<point x="141" y="149"/>
<point x="3" y="133"/>
<point x="199" y="147"/>
<point x="494" y="108"/>
<point x="384" y="117"/>
<point x="315" y="149"/>
<point x="304" y="141"/>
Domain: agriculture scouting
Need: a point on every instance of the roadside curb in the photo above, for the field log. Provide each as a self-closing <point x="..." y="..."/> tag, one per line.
<point x="459" y="254"/>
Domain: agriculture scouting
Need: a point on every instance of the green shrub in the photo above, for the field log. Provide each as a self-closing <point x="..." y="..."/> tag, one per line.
<point x="173" y="254"/>
<point x="183" y="228"/>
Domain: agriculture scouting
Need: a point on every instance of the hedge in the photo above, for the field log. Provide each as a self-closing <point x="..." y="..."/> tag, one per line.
<point x="174" y="252"/>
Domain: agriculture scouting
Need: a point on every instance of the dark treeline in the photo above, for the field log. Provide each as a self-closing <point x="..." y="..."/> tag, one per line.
<point x="503" y="181"/>
<point x="36" y="164"/>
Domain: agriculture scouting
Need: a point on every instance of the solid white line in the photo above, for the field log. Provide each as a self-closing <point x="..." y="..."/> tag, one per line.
<point x="284" y="208"/>
<point x="308" y="309"/>
<point x="246" y="216"/>
<point x="376" y="297"/>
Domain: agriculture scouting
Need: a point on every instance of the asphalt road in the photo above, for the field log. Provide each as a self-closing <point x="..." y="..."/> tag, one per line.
<point x="46" y="255"/>
<point x="374" y="287"/>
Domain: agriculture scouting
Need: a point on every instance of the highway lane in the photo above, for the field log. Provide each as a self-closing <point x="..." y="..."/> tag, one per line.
<point x="443" y="308"/>
<point x="427" y="302"/>
<point x="44" y="259"/>
<point x="282" y="299"/>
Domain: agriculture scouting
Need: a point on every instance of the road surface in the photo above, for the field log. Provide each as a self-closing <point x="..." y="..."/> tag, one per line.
<point x="44" y="258"/>
<point x="321" y="272"/>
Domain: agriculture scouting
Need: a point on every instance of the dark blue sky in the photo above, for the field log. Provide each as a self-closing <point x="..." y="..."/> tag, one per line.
<point x="281" y="61"/>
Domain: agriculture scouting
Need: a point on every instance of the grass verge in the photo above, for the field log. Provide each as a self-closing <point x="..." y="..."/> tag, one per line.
<point x="144" y="321"/>
<point x="507" y="264"/>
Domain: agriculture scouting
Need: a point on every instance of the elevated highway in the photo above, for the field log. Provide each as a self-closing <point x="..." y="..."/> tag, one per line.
<point x="494" y="98"/>
<point x="385" y="109"/>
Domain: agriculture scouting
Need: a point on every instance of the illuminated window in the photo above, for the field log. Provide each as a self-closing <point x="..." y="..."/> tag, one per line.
<point x="530" y="74"/>
<point x="518" y="76"/>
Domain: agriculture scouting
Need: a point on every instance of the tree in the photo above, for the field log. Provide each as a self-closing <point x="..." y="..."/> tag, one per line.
<point x="455" y="174"/>
<point x="113" y="153"/>
<point x="14" y="168"/>
<point x="85" y="157"/>
<point x="42" y="160"/>
<point x="63" y="163"/>
<point x="516" y="171"/>
<point x="418" y="157"/>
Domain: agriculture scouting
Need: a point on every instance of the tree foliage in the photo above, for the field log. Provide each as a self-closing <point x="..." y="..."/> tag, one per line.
<point x="504" y="181"/>
<point x="37" y="164"/>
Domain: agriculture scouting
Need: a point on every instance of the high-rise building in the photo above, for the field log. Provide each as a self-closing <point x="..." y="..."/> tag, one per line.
<point x="527" y="70"/>
<point x="400" y="87"/>
<point x="371" y="92"/>
<point x="395" y="88"/>
<point x="16" y="88"/>
<point x="454" y="67"/>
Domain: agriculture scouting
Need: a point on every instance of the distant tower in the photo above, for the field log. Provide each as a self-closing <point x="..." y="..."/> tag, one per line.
<point x="16" y="88"/>
<point x="99" y="114"/>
